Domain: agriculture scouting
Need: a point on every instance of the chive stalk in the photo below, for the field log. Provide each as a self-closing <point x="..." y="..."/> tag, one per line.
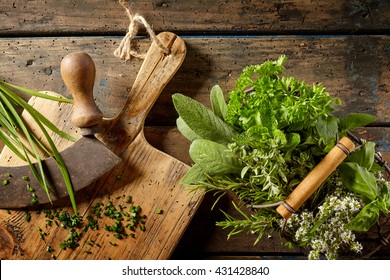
<point x="14" y="129"/>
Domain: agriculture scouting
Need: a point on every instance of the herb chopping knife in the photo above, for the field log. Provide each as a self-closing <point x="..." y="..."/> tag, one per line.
<point x="82" y="159"/>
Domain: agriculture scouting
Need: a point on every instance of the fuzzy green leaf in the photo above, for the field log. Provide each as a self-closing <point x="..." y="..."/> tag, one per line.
<point x="186" y="130"/>
<point x="214" y="158"/>
<point x="218" y="103"/>
<point x="201" y="120"/>
<point x="194" y="176"/>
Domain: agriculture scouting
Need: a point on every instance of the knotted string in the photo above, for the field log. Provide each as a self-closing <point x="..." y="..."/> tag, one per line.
<point x="126" y="50"/>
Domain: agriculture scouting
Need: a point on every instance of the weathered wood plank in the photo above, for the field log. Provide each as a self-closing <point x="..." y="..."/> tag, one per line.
<point x="353" y="68"/>
<point x="276" y="16"/>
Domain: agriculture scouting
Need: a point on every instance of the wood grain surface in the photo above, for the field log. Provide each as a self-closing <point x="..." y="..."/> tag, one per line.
<point x="218" y="16"/>
<point x="342" y="44"/>
<point x="352" y="68"/>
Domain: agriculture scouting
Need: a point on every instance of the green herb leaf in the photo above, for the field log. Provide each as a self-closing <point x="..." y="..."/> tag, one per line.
<point x="39" y="94"/>
<point x="365" y="156"/>
<point x="366" y="218"/>
<point x="186" y="130"/>
<point x="327" y="127"/>
<point x="194" y="176"/>
<point x="353" y="121"/>
<point x="218" y="103"/>
<point x="359" y="180"/>
<point x="201" y="120"/>
<point x="214" y="158"/>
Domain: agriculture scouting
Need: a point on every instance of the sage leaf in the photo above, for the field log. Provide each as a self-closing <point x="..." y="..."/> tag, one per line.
<point x="365" y="156"/>
<point x="353" y="121"/>
<point x="359" y="180"/>
<point x="366" y="218"/>
<point x="201" y="120"/>
<point x="194" y="176"/>
<point x="186" y="130"/>
<point x="214" y="158"/>
<point x="218" y="103"/>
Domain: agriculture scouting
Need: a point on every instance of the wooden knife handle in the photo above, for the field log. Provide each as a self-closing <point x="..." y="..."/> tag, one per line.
<point x="315" y="178"/>
<point x="78" y="73"/>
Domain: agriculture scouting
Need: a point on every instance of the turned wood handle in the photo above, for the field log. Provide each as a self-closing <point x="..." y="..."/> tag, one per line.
<point x="316" y="177"/>
<point x="78" y="73"/>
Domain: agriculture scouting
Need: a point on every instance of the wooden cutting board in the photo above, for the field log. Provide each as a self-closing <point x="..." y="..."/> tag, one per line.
<point x="146" y="174"/>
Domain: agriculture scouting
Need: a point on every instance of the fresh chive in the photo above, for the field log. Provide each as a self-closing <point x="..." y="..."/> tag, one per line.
<point x="27" y="217"/>
<point x="42" y="234"/>
<point x="39" y="94"/>
<point x="14" y="125"/>
<point x="33" y="201"/>
<point x="29" y="188"/>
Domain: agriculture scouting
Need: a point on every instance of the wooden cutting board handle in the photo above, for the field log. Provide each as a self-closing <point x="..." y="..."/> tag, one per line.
<point x="156" y="71"/>
<point x="315" y="178"/>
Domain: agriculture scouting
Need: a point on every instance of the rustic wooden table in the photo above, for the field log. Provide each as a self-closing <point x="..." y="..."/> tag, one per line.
<point x="343" y="44"/>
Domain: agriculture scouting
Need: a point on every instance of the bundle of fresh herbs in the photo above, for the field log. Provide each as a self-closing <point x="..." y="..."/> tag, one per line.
<point x="15" y="134"/>
<point x="263" y="141"/>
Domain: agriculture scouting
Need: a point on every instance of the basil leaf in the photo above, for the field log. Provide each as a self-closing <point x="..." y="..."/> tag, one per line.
<point x="359" y="180"/>
<point x="201" y="120"/>
<point x="327" y="127"/>
<point x="218" y="103"/>
<point x="214" y="158"/>
<point x="384" y="199"/>
<point x="366" y="218"/>
<point x="186" y="130"/>
<point x="364" y="156"/>
<point x="194" y="176"/>
<point x="353" y="121"/>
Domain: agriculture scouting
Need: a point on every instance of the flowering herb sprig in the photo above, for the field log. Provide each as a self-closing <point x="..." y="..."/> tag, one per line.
<point x="261" y="143"/>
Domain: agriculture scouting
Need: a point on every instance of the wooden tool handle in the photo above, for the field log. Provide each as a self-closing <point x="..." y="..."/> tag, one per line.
<point x="78" y="73"/>
<point x="156" y="71"/>
<point x="316" y="177"/>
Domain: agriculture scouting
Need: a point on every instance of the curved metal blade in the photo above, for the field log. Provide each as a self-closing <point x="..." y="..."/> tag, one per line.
<point x="86" y="160"/>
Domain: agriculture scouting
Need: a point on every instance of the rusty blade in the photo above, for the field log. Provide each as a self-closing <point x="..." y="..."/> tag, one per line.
<point x="86" y="160"/>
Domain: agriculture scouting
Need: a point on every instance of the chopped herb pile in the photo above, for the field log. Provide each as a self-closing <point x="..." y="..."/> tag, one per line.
<point x="261" y="143"/>
<point x="126" y="219"/>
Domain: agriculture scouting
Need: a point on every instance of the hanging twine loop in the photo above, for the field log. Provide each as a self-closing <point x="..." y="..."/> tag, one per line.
<point x="126" y="50"/>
